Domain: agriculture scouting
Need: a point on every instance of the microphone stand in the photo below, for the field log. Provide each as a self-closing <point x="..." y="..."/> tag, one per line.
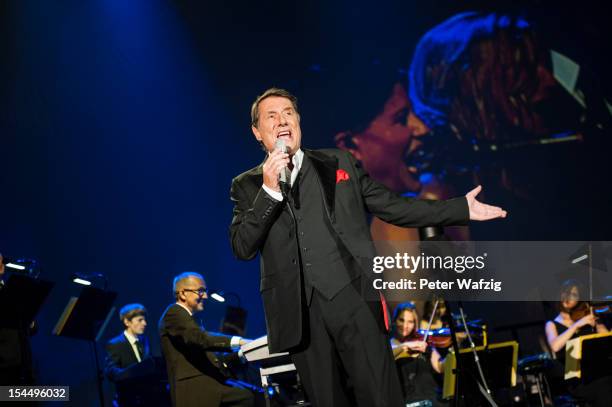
<point x="483" y="387"/>
<point x="455" y="343"/>
<point x="482" y="383"/>
<point x="436" y="233"/>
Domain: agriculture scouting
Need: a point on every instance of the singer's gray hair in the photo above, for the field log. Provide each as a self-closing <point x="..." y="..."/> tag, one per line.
<point x="270" y="92"/>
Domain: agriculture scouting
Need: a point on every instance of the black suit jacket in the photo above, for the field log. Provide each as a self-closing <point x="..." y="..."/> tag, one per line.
<point x="120" y="355"/>
<point x="254" y="230"/>
<point x="188" y="350"/>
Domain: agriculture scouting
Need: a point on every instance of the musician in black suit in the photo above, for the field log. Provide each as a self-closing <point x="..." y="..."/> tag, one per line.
<point x="314" y="240"/>
<point x="194" y="371"/>
<point x="129" y="347"/>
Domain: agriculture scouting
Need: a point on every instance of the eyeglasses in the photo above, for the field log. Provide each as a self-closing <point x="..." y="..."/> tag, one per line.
<point x="200" y="291"/>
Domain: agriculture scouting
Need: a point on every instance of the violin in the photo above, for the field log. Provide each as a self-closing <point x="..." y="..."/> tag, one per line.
<point x="441" y="338"/>
<point x="581" y="310"/>
<point x="406" y="353"/>
<point x="438" y="338"/>
<point x="584" y="308"/>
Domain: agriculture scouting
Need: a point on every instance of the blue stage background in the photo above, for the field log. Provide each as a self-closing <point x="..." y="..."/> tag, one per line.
<point x="123" y="123"/>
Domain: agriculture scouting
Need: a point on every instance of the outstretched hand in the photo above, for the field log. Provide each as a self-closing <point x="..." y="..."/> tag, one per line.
<point x="481" y="211"/>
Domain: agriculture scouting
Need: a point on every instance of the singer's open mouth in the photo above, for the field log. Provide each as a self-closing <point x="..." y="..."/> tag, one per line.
<point x="284" y="133"/>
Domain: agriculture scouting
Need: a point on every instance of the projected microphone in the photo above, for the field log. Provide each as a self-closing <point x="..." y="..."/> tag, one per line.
<point x="284" y="177"/>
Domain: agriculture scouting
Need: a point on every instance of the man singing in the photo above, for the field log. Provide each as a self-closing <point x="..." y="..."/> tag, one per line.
<point x="193" y="370"/>
<point x="312" y="240"/>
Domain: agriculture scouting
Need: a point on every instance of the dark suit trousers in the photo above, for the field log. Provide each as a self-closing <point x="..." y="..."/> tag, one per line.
<point x="346" y="358"/>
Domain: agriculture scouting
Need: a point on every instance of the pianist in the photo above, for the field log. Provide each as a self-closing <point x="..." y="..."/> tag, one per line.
<point x="194" y="371"/>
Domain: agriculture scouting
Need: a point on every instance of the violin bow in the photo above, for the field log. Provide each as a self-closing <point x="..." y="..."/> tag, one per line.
<point x="433" y="313"/>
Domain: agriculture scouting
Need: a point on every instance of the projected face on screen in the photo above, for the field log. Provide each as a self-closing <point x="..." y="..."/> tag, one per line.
<point x="488" y="88"/>
<point x="486" y="76"/>
<point x="382" y="146"/>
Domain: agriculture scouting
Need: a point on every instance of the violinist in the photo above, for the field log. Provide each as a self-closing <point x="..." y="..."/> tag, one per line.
<point x="576" y="319"/>
<point x="417" y="362"/>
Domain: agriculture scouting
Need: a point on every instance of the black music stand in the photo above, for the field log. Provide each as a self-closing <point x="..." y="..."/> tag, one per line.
<point x="12" y="297"/>
<point x="498" y="362"/>
<point x="596" y="359"/>
<point x="85" y="317"/>
<point x="17" y="315"/>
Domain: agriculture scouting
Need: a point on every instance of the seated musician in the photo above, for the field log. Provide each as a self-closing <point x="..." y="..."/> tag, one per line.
<point x="129" y="347"/>
<point x="576" y="319"/>
<point x="125" y="350"/>
<point x="417" y="363"/>
<point x="195" y="373"/>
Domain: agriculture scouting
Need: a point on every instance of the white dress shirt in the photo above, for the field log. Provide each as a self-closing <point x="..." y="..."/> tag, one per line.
<point x="297" y="159"/>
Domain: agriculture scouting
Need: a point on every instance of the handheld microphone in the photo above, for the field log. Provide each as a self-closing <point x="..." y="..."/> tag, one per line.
<point x="284" y="177"/>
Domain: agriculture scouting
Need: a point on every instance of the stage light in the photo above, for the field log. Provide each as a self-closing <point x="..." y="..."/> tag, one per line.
<point x="81" y="281"/>
<point x="217" y="296"/>
<point x="26" y="266"/>
<point x="88" y="279"/>
<point x="15" y="266"/>
<point x="580" y="258"/>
